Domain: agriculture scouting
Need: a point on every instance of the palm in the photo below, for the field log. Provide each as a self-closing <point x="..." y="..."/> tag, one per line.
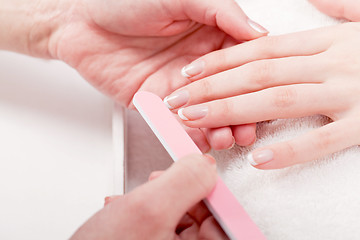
<point x="120" y="65"/>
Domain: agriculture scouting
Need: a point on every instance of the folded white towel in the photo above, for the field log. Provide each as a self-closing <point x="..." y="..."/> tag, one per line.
<point x="317" y="200"/>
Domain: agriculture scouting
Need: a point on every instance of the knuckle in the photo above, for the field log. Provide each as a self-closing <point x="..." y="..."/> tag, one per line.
<point x="197" y="172"/>
<point x="284" y="97"/>
<point x="290" y="151"/>
<point x="263" y="72"/>
<point x="268" y="45"/>
<point x="207" y="89"/>
<point x="210" y="14"/>
<point x="322" y="140"/>
<point x="226" y="108"/>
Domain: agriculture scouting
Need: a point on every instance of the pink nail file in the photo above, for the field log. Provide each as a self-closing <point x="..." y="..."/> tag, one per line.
<point x="221" y="202"/>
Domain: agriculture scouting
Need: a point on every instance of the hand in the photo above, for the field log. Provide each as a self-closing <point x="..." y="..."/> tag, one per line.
<point x="348" y="9"/>
<point x="121" y="47"/>
<point x="167" y="207"/>
<point x="289" y="76"/>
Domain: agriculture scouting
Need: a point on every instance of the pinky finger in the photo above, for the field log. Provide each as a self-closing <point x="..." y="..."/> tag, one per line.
<point x="316" y="144"/>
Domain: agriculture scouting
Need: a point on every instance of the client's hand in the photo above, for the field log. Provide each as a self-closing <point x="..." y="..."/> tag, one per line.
<point x="289" y="76"/>
<point x="167" y="207"/>
<point x="348" y="9"/>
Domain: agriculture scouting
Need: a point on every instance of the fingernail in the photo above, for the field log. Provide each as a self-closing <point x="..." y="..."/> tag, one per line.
<point x="260" y="157"/>
<point x="193" y="69"/>
<point x="210" y="159"/>
<point x="232" y="145"/>
<point x="257" y="27"/>
<point x="177" y="99"/>
<point x="193" y="112"/>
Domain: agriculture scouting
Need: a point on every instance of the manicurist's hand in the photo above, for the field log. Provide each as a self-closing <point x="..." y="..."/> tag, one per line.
<point x="347" y="9"/>
<point x="167" y="207"/>
<point x="289" y="76"/>
<point x="123" y="46"/>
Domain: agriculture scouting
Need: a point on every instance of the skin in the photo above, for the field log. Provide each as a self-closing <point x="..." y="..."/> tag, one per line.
<point x="288" y="76"/>
<point x="245" y="134"/>
<point x="121" y="47"/>
<point x="347" y="9"/>
<point x="176" y="192"/>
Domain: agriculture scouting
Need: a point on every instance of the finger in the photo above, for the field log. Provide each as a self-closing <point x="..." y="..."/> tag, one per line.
<point x="220" y="138"/>
<point x="155" y="174"/>
<point x="199" y="212"/>
<point x="185" y="222"/>
<point x="245" y="135"/>
<point x="316" y="144"/>
<point x="210" y="229"/>
<point x="227" y="15"/>
<point x="110" y="199"/>
<point x="190" y="233"/>
<point x="182" y="186"/>
<point x="280" y="102"/>
<point x="196" y="215"/>
<point x="339" y="9"/>
<point x="332" y="8"/>
<point x="251" y="77"/>
<point x="294" y="44"/>
<point x="199" y="138"/>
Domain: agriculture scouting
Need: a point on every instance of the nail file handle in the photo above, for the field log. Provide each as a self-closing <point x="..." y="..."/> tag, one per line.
<point x="221" y="202"/>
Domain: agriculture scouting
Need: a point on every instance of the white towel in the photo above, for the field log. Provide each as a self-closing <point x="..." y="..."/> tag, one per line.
<point x="317" y="200"/>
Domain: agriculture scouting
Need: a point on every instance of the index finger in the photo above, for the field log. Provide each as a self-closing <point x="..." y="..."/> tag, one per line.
<point x="293" y="44"/>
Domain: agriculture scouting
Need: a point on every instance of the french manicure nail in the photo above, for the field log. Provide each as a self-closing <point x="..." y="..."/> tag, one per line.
<point x="193" y="112"/>
<point x="257" y="27"/>
<point x="177" y="99"/>
<point x="233" y="144"/>
<point x="260" y="157"/>
<point x="193" y="69"/>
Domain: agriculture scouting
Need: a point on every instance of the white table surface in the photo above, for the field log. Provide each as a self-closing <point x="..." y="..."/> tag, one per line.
<point x="56" y="149"/>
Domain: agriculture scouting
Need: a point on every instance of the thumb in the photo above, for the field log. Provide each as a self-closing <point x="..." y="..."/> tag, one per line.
<point x="182" y="186"/>
<point x="227" y="15"/>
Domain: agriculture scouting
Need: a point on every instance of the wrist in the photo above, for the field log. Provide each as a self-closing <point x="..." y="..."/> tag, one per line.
<point x="28" y="26"/>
